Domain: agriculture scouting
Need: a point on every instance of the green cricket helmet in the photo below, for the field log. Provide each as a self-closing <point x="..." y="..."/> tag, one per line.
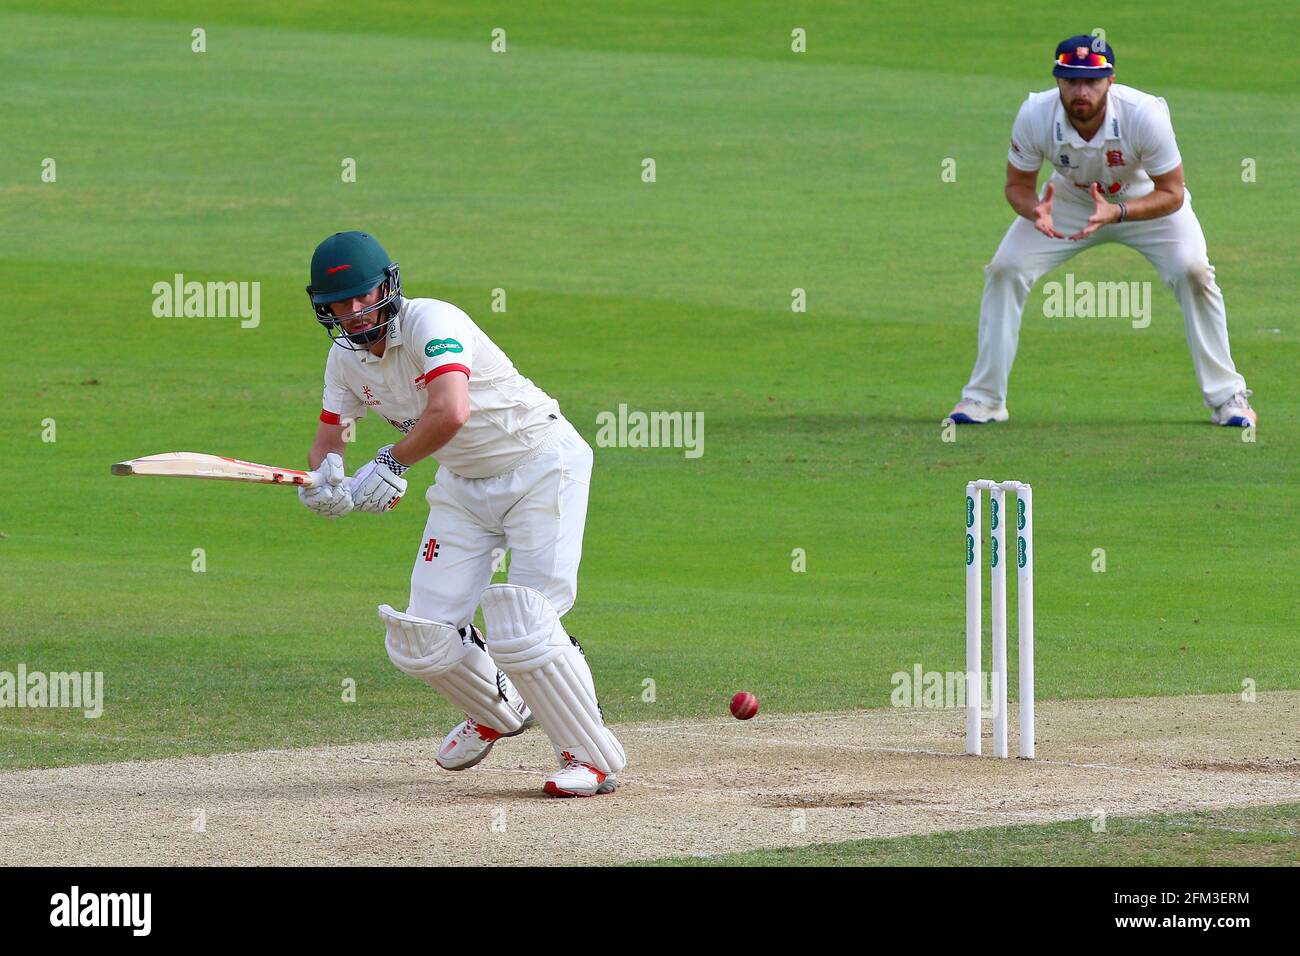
<point x="346" y="265"/>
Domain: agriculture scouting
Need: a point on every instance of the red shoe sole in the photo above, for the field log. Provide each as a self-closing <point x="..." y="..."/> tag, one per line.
<point x="554" y="791"/>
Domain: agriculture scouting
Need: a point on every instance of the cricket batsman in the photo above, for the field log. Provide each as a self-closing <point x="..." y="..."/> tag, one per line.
<point x="1118" y="177"/>
<point x="512" y="474"/>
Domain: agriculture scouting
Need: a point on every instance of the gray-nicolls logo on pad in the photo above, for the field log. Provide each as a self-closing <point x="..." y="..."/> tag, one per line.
<point x="75" y="908"/>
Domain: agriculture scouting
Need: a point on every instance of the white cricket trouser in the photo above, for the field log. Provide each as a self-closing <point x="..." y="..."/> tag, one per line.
<point x="538" y="511"/>
<point x="1174" y="244"/>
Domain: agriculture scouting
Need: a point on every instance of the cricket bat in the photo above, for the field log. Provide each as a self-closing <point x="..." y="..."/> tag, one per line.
<point x="192" y="464"/>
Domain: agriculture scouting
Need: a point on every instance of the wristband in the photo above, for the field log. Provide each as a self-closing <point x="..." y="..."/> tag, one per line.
<point x="1123" y="211"/>
<point x="385" y="458"/>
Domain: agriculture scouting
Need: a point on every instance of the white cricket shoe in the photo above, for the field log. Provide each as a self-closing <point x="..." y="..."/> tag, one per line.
<point x="469" y="742"/>
<point x="972" y="412"/>
<point x="1235" y="412"/>
<point x="578" y="779"/>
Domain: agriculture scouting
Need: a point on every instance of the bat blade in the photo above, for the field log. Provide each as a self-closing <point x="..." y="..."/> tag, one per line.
<point x="192" y="464"/>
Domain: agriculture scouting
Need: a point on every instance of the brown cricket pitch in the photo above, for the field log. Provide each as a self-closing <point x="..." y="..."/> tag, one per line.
<point x="692" y="787"/>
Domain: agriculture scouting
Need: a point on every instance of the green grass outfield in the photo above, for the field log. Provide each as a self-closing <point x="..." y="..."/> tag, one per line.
<point x="1249" y="836"/>
<point x="522" y="171"/>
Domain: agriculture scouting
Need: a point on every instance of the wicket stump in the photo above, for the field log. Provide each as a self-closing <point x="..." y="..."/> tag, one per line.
<point x="1024" y="557"/>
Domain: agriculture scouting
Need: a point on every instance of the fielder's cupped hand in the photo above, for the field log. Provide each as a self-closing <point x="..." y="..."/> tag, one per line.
<point x="376" y="487"/>
<point x="1043" y="216"/>
<point x="1102" y="213"/>
<point x="331" y="495"/>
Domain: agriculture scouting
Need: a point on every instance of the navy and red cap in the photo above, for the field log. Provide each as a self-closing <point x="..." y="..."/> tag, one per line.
<point x="1083" y="57"/>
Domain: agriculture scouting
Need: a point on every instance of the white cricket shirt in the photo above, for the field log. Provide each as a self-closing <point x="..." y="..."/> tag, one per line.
<point x="1135" y="142"/>
<point x="509" y="415"/>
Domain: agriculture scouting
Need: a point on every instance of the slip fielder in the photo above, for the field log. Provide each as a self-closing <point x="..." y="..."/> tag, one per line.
<point x="512" y="473"/>
<point x="1118" y="177"/>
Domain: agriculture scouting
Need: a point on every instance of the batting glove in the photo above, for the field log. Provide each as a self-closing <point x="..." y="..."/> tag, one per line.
<point x="378" y="485"/>
<point x="331" y="495"/>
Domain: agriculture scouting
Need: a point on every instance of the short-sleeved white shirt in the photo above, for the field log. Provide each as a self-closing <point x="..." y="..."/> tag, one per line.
<point x="509" y="415"/>
<point x="1135" y="142"/>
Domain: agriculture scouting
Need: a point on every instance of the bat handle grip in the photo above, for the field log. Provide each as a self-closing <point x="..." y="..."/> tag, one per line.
<point x="314" y="479"/>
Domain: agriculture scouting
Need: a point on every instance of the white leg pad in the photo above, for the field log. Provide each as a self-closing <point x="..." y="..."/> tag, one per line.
<point x="454" y="666"/>
<point x="530" y="644"/>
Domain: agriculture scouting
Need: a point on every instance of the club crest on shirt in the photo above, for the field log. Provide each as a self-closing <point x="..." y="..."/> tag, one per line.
<point x="1114" y="157"/>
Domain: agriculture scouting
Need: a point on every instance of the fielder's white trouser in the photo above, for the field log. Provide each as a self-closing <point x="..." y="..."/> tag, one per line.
<point x="1174" y="244"/>
<point x="538" y="511"/>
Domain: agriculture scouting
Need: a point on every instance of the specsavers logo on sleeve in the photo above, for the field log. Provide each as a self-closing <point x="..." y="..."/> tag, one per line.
<point x="436" y="347"/>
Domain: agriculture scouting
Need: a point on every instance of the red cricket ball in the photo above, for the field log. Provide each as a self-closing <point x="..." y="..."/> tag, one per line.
<point x="744" y="705"/>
